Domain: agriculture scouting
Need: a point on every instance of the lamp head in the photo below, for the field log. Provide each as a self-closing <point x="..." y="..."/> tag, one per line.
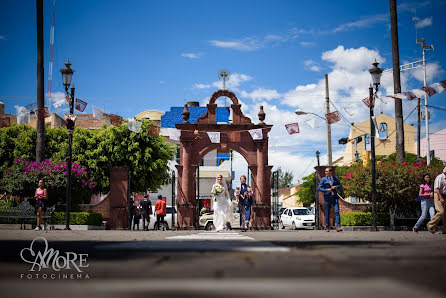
<point x="67" y="74"/>
<point x="300" y="112"/>
<point x="376" y="73"/>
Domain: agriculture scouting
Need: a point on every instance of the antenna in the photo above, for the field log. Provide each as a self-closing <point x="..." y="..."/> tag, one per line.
<point x="224" y="75"/>
<point x="415" y="19"/>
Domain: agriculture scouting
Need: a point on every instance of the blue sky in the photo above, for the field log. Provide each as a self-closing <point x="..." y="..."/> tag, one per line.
<point x="132" y="56"/>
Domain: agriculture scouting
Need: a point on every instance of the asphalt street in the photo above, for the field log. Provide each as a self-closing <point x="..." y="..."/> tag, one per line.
<point x="230" y="264"/>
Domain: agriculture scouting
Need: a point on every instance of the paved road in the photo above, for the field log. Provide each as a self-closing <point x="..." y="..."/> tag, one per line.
<point x="232" y="264"/>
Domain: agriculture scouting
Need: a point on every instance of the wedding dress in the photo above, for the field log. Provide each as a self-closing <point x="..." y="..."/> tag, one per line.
<point x="222" y="208"/>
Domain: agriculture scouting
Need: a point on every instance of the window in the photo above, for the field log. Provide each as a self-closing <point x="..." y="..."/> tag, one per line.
<point x="382" y="131"/>
<point x="301" y="212"/>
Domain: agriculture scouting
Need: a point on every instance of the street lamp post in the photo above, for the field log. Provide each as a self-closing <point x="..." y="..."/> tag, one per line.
<point x="67" y="74"/>
<point x="375" y="72"/>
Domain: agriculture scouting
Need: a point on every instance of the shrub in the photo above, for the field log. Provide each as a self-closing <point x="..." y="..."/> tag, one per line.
<point x="76" y="218"/>
<point x="364" y="219"/>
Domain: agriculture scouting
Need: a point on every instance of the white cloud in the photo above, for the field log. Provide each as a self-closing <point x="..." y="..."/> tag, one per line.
<point x="354" y="60"/>
<point x="256" y="43"/>
<point x="424" y="23"/>
<point x="307" y="43"/>
<point x="202" y="86"/>
<point x="363" y="22"/>
<point x="315" y="68"/>
<point x="312" y="65"/>
<point x="433" y="69"/>
<point x="191" y="55"/>
<point x="261" y="93"/>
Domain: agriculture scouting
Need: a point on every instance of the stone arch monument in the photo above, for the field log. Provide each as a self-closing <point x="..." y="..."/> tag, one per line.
<point x="195" y="144"/>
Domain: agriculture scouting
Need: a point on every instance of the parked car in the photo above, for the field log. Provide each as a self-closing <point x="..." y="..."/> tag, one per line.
<point x="167" y="219"/>
<point x="206" y="221"/>
<point x="297" y="218"/>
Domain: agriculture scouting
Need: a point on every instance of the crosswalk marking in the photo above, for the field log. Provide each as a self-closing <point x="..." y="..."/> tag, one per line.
<point x="212" y="236"/>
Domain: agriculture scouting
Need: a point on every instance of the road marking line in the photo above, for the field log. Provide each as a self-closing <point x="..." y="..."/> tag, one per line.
<point x="212" y="236"/>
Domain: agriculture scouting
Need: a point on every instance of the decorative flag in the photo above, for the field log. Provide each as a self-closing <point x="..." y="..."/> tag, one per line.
<point x="67" y="99"/>
<point x="292" y="128"/>
<point x="437" y="87"/>
<point x="418" y="93"/>
<point x="22" y="115"/>
<point x="313" y="123"/>
<point x="134" y="126"/>
<point x="214" y="137"/>
<point x="153" y="130"/>
<point x="398" y="96"/>
<point x="98" y="113"/>
<point x="430" y="91"/>
<point x="346" y="110"/>
<point x="443" y="83"/>
<point x="367" y="101"/>
<point x="80" y="105"/>
<point x="376" y="125"/>
<point x="333" y="117"/>
<point x="173" y="133"/>
<point x="409" y="95"/>
<point x="256" y="134"/>
<point x="58" y="104"/>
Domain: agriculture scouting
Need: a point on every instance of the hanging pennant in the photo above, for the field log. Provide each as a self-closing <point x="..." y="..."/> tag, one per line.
<point x="58" y="104"/>
<point x="80" y="105"/>
<point x="22" y="115"/>
<point x="134" y="126"/>
<point x="430" y="91"/>
<point x="418" y="93"/>
<point x="67" y="99"/>
<point x="174" y="134"/>
<point x="443" y="83"/>
<point x="409" y="95"/>
<point x="333" y="117"/>
<point x="98" y="113"/>
<point x="367" y="101"/>
<point x="313" y="123"/>
<point x="256" y="134"/>
<point x="437" y="87"/>
<point x="153" y="130"/>
<point x="398" y="96"/>
<point x="348" y="112"/>
<point x="292" y="128"/>
<point x="376" y="125"/>
<point x="214" y="137"/>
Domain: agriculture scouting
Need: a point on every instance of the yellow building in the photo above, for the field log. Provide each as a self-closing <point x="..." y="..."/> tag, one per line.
<point x="289" y="197"/>
<point x="153" y="115"/>
<point x="385" y="139"/>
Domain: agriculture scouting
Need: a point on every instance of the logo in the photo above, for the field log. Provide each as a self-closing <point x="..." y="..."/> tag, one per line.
<point x="52" y="260"/>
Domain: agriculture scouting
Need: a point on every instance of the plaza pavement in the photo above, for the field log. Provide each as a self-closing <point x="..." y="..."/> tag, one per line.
<point x="233" y="264"/>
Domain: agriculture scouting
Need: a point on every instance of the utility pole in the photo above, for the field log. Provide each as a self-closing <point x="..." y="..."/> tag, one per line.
<point x="400" y="151"/>
<point x="327" y="111"/>
<point x="316" y="195"/>
<point x="40" y="146"/>
<point x="418" y="129"/>
<point x="426" y="111"/>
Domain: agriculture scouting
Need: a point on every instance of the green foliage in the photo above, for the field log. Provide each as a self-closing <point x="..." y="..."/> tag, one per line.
<point x="285" y="178"/>
<point x="146" y="156"/>
<point x="76" y="218"/>
<point x="364" y="219"/>
<point x="307" y="191"/>
<point x="397" y="184"/>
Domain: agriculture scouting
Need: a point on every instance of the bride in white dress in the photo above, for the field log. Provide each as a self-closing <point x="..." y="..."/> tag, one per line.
<point x="222" y="205"/>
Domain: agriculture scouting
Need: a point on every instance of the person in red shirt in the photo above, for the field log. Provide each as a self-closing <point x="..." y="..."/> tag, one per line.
<point x="160" y="208"/>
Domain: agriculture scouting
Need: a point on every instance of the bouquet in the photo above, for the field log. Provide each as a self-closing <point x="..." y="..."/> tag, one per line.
<point x="217" y="189"/>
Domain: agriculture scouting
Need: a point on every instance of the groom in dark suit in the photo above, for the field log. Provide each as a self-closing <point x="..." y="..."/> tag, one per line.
<point x="329" y="185"/>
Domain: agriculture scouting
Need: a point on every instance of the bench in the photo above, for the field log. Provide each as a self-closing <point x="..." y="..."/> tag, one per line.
<point x="403" y="214"/>
<point x="25" y="211"/>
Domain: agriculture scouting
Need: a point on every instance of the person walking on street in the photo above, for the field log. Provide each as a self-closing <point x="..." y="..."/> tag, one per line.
<point x="425" y="195"/>
<point x="439" y="202"/>
<point x="329" y="185"/>
<point x="160" y="208"/>
<point x="146" y="208"/>
<point x="41" y="197"/>
<point x="136" y="218"/>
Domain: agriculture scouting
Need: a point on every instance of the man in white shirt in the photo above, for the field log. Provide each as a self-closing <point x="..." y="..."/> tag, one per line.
<point x="439" y="202"/>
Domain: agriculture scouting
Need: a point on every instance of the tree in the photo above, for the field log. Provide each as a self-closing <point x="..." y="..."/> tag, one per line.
<point x="307" y="190"/>
<point x="146" y="156"/>
<point x="285" y="178"/>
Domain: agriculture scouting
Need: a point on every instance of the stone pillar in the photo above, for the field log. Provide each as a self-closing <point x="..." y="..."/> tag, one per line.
<point x="186" y="190"/>
<point x="261" y="209"/>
